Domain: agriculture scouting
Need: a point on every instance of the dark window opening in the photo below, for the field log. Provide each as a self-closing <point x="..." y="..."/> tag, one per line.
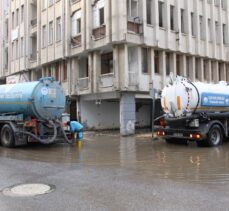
<point x="107" y="63"/>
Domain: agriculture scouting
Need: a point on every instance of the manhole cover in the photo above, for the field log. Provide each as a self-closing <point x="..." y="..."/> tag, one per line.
<point x="27" y="190"/>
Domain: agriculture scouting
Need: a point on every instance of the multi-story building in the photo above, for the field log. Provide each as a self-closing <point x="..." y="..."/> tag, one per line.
<point x="109" y="54"/>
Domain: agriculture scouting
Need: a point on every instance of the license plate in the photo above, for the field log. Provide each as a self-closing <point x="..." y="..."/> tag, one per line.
<point x="178" y="134"/>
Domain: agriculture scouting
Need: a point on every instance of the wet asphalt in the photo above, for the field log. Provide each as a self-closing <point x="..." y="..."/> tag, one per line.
<point x="108" y="172"/>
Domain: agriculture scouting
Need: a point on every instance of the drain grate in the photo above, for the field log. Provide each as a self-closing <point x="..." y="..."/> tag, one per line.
<point x="28" y="190"/>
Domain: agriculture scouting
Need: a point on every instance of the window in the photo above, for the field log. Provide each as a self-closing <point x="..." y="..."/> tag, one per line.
<point x="161" y="12"/>
<point x="149" y="11"/>
<point x="178" y="64"/>
<point x="76" y="23"/>
<point x="193" y="24"/>
<point x="13" y="23"/>
<point x="16" y="49"/>
<point x="44" y="36"/>
<point x="172" y="17"/>
<point x="65" y="75"/>
<point x="167" y="55"/>
<point x="58" y="29"/>
<point x="217" y="32"/>
<point x="145" y="60"/>
<point x="17" y="17"/>
<point x="98" y="14"/>
<point x="224" y="34"/>
<point x="22" y="47"/>
<point x="13" y="53"/>
<point x="101" y="16"/>
<point x="22" y="13"/>
<point x="132" y="6"/>
<point x="201" y="27"/>
<point x="107" y="63"/>
<point x="156" y="62"/>
<point x="210" y="30"/>
<point x="182" y="21"/>
<point x="50" y="32"/>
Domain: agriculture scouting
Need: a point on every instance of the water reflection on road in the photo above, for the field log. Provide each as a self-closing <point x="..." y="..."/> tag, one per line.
<point x="142" y="156"/>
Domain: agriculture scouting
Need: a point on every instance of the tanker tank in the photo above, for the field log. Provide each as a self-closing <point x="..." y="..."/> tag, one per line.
<point x="182" y="98"/>
<point x="43" y="100"/>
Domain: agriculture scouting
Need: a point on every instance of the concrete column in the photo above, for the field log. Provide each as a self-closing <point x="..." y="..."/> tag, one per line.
<point x="162" y="61"/>
<point x="90" y="71"/>
<point x="116" y="65"/>
<point x="183" y="68"/>
<point x="209" y="71"/>
<point x="227" y="72"/>
<point x="192" y="68"/>
<point x="173" y="64"/>
<point x="43" y="72"/>
<point x="215" y="72"/>
<point x="96" y="70"/>
<point x="127" y="114"/>
<point x="201" y="69"/>
<point x="152" y="65"/>
<point x="108" y="20"/>
<point x="222" y="72"/>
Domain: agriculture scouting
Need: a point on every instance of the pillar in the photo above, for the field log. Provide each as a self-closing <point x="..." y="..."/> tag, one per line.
<point x="127" y="114"/>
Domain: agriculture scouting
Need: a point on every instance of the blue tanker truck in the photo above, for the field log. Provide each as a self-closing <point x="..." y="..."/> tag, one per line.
<point x="32" y="111"/>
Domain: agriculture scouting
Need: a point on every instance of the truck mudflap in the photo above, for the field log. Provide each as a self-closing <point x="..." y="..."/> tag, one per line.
<point x="187" y="134"/>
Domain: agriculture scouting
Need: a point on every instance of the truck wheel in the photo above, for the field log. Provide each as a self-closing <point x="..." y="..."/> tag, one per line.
<point x="215" y="136"/>
<point x="7" y="136"/>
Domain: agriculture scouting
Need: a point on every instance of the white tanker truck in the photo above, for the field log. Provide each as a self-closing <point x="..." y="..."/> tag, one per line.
<point x="194" y="111"/>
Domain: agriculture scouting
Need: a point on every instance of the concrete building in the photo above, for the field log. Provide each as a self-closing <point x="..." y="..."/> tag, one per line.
<point x="108" y="54"/>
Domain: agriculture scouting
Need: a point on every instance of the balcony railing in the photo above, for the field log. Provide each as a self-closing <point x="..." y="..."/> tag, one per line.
<point x="106" y="80"/>
<point x="99" y="32"/>
<point x="76" y="40"/>
<point x="83" y="83"/>
<point x="133" y="79"/>
<point x="34" y="22"/>
<point x="134" y="26"/>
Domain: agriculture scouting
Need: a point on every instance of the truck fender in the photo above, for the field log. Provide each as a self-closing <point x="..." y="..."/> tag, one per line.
<point x="207" y="127"/>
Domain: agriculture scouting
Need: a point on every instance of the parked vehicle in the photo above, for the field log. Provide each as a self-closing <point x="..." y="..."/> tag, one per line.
<point x="31" y="111"/>
<point x="194" y="111"/>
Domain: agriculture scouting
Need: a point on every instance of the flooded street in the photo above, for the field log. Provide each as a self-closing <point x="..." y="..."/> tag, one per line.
<point x="112" y="173"/>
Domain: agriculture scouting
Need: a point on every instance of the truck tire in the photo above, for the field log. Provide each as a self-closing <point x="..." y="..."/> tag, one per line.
<point x="215" y="136"/>
<point x="7" y="136"/>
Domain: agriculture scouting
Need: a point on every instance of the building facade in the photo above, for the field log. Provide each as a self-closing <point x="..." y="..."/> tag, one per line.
<point x="109" y="54"/>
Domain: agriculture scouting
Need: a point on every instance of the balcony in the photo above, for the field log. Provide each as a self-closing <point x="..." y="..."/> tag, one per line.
<point x="99" y="33"/>
<point x="76" y="40"/>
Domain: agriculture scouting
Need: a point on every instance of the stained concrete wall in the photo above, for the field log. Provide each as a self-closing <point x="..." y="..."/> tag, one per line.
<point x="103" y="116"/>
<point x="107" y="114"/>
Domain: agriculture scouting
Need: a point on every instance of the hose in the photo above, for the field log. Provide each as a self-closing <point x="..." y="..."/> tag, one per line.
<point x="43" y="141"/>
<point x="64" y="134"/>
<point x="198" y="97"/>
